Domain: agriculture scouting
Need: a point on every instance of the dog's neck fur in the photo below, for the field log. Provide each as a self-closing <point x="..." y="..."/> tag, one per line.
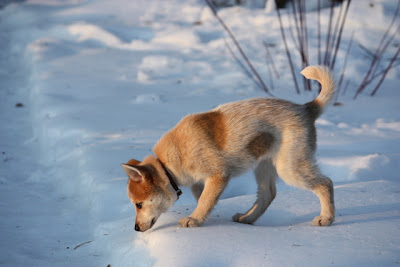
<point x="171" y="180"/>
<point x="165" y="178"/>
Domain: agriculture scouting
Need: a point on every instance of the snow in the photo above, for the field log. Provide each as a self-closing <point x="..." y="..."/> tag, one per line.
<point x="101" y="81"/>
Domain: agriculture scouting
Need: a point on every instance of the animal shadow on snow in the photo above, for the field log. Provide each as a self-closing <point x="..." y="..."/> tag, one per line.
<point x="370" y="213"/>
<point x="275" y="217"/>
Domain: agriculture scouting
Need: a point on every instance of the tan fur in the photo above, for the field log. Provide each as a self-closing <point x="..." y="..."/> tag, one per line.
<point x="212" y="127"/>
<point x="205" y="150"/>
<point x="260" y="144"/>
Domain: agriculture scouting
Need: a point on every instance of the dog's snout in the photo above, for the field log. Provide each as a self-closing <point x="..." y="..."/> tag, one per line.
<point x="137" y="227"/>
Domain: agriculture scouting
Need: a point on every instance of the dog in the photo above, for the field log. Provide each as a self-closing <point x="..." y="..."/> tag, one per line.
<point x="205" y="150"/>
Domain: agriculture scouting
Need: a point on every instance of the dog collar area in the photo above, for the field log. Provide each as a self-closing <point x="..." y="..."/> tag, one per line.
<point x="171" y="180"/>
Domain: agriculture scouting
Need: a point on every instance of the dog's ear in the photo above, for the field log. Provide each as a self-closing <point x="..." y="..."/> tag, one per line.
<point x="133" y="172"/>
<point x="133" y="162"/>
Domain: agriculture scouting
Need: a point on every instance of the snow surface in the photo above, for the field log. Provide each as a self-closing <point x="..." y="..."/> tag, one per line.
<point x="100" y="81"/>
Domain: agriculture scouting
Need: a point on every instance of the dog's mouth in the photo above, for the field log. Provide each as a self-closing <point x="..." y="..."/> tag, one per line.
<point x="141" y="229"/>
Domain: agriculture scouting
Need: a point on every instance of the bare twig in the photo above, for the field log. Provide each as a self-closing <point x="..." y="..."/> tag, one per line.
<point x="269" y="69"/>
<point x="245" y="58"/>
<point x="328" y="36"/>
<point x="340" y="34"/>
<point x="336" y="28"/>
<point x="379" y="52"/>
<point x="270" y="59"/>
<point x="369" y="52"/>
<point x="346" y="86"/>
<point x="378" y="74"/>
<point x="81" y="244"/>
<point x="296" y="23"/>
<point x="344" y="67"/>
<point x="292" y="35"/>
<point x="386" y="71"/>
<point x="378" y="55"/>
<point x="298" y="9"/>
<point x="287" y="51"/>
<point x="305" y="31"/>
<point x="304" y="52"/>
<point x="243" y="67"/>
<point x="387" y="33"/>
<point x="319" y="32"/>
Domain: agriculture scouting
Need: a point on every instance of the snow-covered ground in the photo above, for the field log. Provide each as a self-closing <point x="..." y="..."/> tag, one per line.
<point x="100" y="81"/>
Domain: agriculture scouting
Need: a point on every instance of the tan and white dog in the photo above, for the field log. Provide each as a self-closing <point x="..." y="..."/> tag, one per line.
<point x="205" y="150"/>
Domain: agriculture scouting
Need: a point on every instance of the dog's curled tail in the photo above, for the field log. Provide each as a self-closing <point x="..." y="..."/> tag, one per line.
<point x="325" y="78"/>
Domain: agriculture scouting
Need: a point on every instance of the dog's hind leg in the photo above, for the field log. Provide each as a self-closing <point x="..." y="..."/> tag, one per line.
<point x="266" y="177"/>
<point x="323" y="188"/>
<point x="304" y="173"/>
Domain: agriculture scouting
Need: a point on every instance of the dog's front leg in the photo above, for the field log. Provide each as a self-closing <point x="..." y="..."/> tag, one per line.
<point x="213" y="188"/>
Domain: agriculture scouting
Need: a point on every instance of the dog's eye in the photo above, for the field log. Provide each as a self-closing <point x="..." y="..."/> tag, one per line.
<point x="139" y="205"/>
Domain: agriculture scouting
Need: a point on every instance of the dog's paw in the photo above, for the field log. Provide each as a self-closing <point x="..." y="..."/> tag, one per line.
<point x="322" y="221"/>
<point x="189" y="222"/>
<point x="242" y="218"/>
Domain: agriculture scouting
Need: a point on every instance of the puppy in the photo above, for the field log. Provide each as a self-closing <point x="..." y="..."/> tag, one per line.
<point x="205" y="150"/>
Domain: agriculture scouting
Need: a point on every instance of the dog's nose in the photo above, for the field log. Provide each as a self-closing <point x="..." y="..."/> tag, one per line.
<point x="137" y="228"/>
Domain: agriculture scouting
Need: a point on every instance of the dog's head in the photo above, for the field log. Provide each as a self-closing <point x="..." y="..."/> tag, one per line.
<point x="149" y="191"/>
